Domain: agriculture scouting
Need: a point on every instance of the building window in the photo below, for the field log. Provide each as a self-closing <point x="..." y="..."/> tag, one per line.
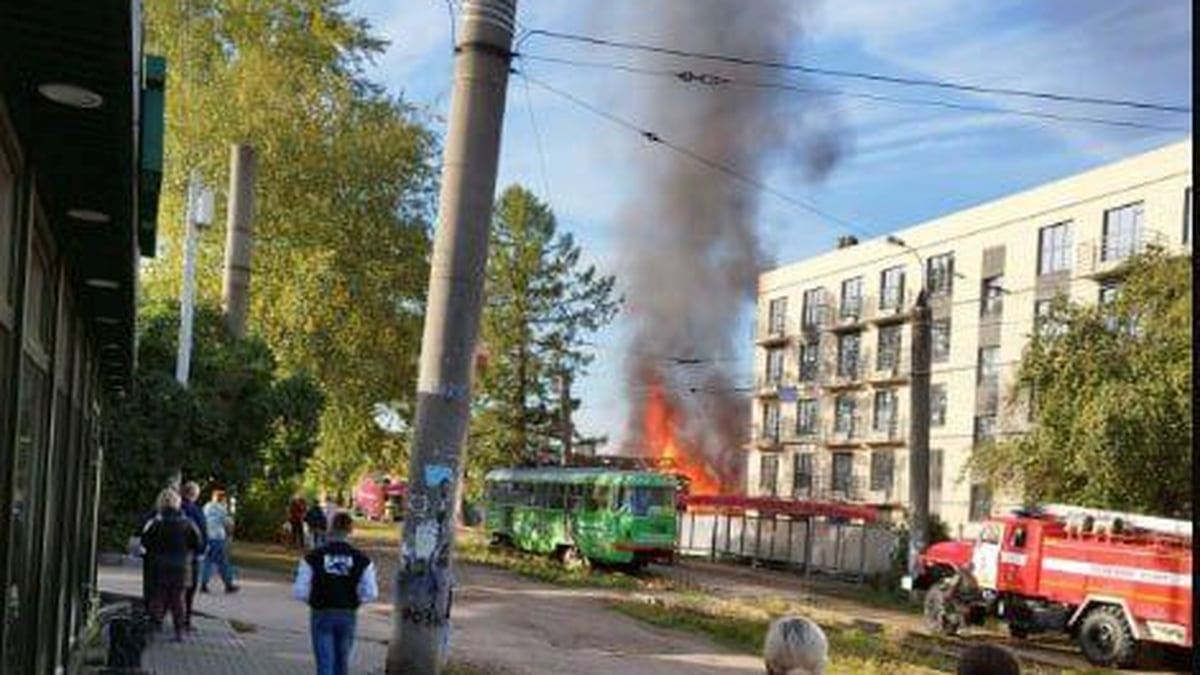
<point x="851" y="306"/>
<point x="770" y="421"/>
<point x="1043" y="322"/>
<point x="806" y="416"/>
<point x="39" y="306"/>
<point x="802" y="474"/>
<point x="935" y="480"/>
<point x="843" y="472"/>
<point x="1054" y="248"/>
<point x="985" y="429"/>
<point x="939" y="274"/>
<point x="845" y="414"/>
<point x="767" y="473"/>
<point x="888" y="355"/>
<point x="937" y="405"/>
<point x="1187" y="215"/>
<point x="989" y="366"/>
<point x="814" y="308"/>
<point x="1122" y="232"/>
<point x="884" y="419"/>
<point x="774" y="366"/>
<point x="777" y="316"/>
<point x="992" y="296"/>
<point x="882" y="470"/>
<point x="940" y="352"/>
<point x="847" y="363"/>
<point x="891" y="288"/>
<point x="7" y="236"/>
<point x="981" y="503"/>
<point x="810" y="361"/>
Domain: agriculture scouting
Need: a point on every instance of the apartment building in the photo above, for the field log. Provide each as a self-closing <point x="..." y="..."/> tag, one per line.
<point x="833" y="336"/>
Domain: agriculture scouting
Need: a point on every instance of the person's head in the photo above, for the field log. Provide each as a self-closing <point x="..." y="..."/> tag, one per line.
<point x="340" y="525"/>
<point x="218" y="495"/>
<point x="988" y="660"/>
<point x="167" y="499"/>
<point x="191" y="490"/>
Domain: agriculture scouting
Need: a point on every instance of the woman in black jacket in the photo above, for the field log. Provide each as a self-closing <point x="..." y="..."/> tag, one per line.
<point x="171" y="541"/>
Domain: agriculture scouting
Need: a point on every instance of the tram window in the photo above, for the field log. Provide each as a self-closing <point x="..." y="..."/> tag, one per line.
<point x="639" y="500"/>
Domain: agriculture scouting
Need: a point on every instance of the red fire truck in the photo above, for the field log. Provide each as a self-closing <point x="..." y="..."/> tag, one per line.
<point x="1111" y="580"/>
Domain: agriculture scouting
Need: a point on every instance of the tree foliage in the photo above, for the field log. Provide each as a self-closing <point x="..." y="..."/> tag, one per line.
<point x="542" y="304"/>
<point x="1112" y="399"/>
<point x="343" y="198"/>
<point x="235" y="423"/>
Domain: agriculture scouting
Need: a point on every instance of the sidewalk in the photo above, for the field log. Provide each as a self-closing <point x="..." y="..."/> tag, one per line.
<point x="259" y="630"/>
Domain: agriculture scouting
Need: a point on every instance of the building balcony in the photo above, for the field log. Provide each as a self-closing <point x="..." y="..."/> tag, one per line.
<point x="890" y="432"/>
<point x="850" y="435"/>
<point x="890" y="309"/>
<point x="851" y="315"/>
<point x="896" y="372"/>
<point x="847" y="376"/>
<point x="1105" y="257"/>
<point x="770" y="386"/>
<point x="772" y="332"/>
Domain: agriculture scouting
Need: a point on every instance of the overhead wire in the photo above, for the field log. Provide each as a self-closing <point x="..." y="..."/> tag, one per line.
<point x="628" y="45"/>
<point x="715" y="81"/>
<point x="656" y="138"/>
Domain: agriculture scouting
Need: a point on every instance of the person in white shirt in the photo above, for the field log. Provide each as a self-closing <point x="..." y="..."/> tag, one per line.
<point x="335" y="579"/>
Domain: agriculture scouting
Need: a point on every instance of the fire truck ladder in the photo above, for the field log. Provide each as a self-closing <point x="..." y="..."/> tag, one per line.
<point x="1167" y="526"/>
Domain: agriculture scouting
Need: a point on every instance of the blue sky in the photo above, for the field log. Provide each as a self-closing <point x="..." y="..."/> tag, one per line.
<point x="905" y="163"/>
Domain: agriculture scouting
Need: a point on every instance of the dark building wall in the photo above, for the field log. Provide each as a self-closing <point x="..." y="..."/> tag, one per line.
<point x="50" y="405"/>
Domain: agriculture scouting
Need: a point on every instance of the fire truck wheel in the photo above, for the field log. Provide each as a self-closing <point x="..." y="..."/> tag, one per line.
<point x="940" y="617"/>
<point x="1106" y="638"/>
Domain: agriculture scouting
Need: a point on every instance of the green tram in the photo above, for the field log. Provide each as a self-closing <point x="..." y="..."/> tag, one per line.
<point x="606" y="516"/>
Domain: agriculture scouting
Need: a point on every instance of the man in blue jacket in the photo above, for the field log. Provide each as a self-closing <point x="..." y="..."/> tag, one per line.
<point x="190" y="493"/>
<point x="334" y="579"/>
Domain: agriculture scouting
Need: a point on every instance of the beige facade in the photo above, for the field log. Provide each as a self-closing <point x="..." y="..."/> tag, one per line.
<point x="833" y="337"/>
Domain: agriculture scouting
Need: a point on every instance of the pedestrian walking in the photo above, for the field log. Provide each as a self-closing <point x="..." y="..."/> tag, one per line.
<point x="219" y="527"/>
<point x="191" y="492"/>
<point x="296" y="510"/>
<point x="334" y="580"/>
<point x="172" y="540"/>
<point x="317" y="523"/>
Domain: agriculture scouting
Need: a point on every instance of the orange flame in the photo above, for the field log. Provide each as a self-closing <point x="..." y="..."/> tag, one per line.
<point x="659" y="423"/>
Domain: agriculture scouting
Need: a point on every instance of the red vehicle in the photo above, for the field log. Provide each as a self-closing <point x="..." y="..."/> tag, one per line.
<point x="1111" y="580"/>
<point x="380" y="497"/>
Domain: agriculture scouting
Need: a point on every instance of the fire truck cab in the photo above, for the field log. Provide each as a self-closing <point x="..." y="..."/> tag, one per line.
<point x="1110" y="580"/>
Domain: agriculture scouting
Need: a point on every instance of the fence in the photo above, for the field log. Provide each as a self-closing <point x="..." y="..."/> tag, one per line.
<point x="823" y="544"/>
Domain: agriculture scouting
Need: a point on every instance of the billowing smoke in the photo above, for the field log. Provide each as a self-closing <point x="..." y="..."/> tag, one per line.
<point x="691" y="253"/>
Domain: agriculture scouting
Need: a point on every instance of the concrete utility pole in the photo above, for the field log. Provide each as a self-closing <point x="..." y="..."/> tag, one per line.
<point x="239" y="239"/>
<point x="420" y="638"/>
<point x="918" y="442"/>
<point x="197" y="214"/>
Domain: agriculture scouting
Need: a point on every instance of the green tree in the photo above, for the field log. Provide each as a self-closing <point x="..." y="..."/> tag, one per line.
<point x="343" y="200"/>
<point x="1111" y="389"/>
<point x="542" y="304"/>
<point x="236" y="423"/>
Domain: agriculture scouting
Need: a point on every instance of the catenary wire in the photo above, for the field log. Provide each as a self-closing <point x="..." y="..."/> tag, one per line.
<point x="716" y="81"/>
<point x="850" y="74"/>
<point x="656" y="138"/>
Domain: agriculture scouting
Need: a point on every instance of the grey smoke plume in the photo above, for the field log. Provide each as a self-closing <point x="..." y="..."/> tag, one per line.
<point x="693" y="254"/>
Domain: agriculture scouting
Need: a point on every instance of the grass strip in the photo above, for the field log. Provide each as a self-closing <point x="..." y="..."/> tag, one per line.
<point x="852" y="651"/>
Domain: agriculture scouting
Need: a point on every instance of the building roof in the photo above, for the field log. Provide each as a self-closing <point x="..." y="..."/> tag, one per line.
<point x="583" y="475"/>
<point x="931" y="234"/>
<point x="87" y="157"/>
